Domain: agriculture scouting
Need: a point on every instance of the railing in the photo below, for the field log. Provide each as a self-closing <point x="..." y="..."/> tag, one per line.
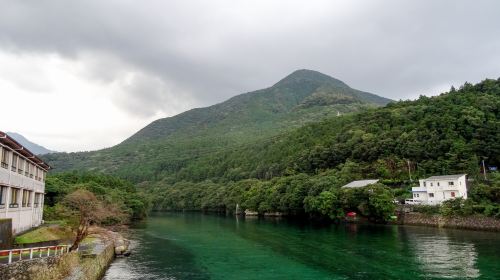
<point x="31" y="253"/>
<point x="413" y="201"/>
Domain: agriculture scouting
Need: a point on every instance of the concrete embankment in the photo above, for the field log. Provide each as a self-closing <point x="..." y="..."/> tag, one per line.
<point x="466" y="222"/>
<point x="89" y="263"/>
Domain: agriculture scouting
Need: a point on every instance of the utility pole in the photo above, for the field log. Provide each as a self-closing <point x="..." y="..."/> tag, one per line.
<point x="409" y="170"/>
<point x="484" y="170"/>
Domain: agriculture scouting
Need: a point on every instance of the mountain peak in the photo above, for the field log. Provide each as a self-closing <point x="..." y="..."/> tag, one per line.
<point x="33" y="147"/>
<point x="305" y="75"/>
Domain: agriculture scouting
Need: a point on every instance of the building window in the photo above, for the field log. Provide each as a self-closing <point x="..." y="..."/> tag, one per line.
<point x="416" y="195"/>
<point x="3" y="193"/>
<point x="28" y="172"/>
<point x="5" y="158"/>
<point x="424" y="184"/>
<point x="25" y="198"/>
<point x="452" y="194"/>
<point x="438" y="184"/>
<point x="21" y="165"/>
<point x="431" y="195"/>
<point x="14" y="162"/>
<point x="13" y="198"/>
<point x="37" y="200"/>
<point x="432" y="185"/>
<point x="451" y="183"/>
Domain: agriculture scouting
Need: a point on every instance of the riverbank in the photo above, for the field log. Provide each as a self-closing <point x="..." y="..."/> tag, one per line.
<point x="95" y="254"/>
<point x="476" y="222"/>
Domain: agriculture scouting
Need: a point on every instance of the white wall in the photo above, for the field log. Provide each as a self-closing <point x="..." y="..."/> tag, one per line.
<point x="23" y="218"/>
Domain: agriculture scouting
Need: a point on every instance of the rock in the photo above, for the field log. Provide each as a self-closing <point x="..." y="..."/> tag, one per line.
<point x="121" y="246"/>
<point x="120" y="250"/>
<point x="251" y="213"/>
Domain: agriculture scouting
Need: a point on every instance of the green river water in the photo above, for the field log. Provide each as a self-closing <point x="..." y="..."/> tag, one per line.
<point x="198" y="246"/>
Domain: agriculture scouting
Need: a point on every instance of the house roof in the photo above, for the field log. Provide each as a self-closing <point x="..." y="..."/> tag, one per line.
<point x="446" y="177"/>
<point x="360" y="183"/>
<point x="14" y="145"/>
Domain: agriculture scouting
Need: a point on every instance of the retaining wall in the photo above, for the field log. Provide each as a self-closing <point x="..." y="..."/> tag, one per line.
<point x="71" y="266"/>
<point x="49" y="268"/>
<point x="467" y="222"/>
<point x="5" y="233"/>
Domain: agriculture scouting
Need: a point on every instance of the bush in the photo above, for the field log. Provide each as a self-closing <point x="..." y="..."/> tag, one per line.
<point x="427" y="209"/>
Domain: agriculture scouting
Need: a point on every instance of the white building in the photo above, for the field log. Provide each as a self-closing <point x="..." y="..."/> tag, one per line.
<point x="437" y="189"/>
<point x="22" y="185"/>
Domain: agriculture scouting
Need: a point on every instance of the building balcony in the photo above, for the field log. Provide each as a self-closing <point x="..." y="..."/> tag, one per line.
<point x="419" y="189"/>
<point x="13" y="178"/>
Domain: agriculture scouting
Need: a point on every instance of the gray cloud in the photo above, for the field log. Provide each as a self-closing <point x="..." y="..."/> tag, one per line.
<point x="202" y="52"/>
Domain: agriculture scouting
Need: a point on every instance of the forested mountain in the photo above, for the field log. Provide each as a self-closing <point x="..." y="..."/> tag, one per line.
<point x="302" y="171"/>
<point x="33" y="147"/>
<point x="447" y="134"/>
<point x="170" y="148"/>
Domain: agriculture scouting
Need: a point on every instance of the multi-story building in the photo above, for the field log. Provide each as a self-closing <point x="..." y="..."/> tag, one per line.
<point x="437" y="189"/>
<point x="22" y="185"/>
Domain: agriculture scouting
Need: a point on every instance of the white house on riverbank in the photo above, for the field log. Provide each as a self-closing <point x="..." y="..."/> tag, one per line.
<point x="437" y="189"/>
<point x="22" y="185"/>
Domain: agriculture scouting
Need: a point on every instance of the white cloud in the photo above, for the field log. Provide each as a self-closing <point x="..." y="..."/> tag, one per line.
<point x="71" y="112"/>
<point x="100" y="70"/>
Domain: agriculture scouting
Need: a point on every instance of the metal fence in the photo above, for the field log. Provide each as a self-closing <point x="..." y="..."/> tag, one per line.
<point x="12" y="255"/>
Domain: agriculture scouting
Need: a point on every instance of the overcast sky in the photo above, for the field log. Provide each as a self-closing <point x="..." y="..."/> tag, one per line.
<point x="83" y="75"/>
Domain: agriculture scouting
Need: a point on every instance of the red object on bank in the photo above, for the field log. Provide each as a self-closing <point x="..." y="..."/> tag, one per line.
<point x="351" y="214"/>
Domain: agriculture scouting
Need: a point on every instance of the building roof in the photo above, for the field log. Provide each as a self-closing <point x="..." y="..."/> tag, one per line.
<point x="446" y="177"/>
<point x="360" y="183"/>
<point x="14" y="145"/>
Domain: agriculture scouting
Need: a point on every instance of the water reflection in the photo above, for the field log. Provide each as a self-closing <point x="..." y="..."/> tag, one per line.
<point x="441" y="257"/>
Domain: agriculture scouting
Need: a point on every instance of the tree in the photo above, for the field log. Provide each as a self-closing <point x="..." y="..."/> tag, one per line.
<point x="82" y="209"/>
<point x="326" y="203"/>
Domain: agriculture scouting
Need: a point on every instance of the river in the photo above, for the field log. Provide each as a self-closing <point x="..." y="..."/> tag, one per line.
<point x="198" y="246"/>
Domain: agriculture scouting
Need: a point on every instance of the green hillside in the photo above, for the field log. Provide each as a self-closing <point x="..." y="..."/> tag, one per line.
<point x="170" y="148"/>
<point x="301" y="171"/>
<point x="450" y="133"/>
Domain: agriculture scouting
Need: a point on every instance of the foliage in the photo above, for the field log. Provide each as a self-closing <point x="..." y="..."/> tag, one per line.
<point x="318" y="195"/>
<point x="110" y="189"/>
<point x="203" y="144"/>
<point x="81" y="208"/>
<point x="284" y="149"/>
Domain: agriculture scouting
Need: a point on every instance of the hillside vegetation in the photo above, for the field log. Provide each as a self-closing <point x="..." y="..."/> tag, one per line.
<point x="295" y="157"/>
<point x="302" y="171"/>
<point x="171" y="148"/>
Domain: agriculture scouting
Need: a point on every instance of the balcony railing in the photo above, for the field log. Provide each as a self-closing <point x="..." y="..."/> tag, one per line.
<point x="419" y="189"/>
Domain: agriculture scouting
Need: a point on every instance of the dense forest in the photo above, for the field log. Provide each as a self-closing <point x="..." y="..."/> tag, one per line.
<point x="445" y="134"/>
<point x="298" y="171"/>
<point x="111" y="190"/>
<point x="169" y="148"/>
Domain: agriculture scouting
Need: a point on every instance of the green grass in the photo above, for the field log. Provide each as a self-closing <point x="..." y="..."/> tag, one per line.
<point x="44" y="233"/>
